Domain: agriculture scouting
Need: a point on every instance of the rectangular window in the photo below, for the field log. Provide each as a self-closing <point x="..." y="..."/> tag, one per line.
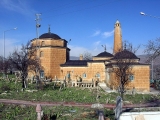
<point x="84" y="75"/>
<point x="41" y="54"/>
<point x="42" y="74"/>
<point x="43" y="43"/>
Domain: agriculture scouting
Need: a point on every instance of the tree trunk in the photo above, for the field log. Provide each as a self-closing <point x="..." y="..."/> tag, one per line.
<point x="23" y="83"/>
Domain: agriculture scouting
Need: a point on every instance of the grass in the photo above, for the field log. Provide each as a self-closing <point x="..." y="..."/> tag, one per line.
<point x="12" y="90"/>
<point x="19" y="112"/>
<point x="15" y="112"/>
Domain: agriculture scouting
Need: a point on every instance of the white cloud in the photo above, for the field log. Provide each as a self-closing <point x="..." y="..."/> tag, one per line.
<point x="96" y="44"/>
<point x="96" y="33"/>
<point x="77" y="50"/>
<point x="107" y="34"/>
<point x="20" y="6"/>
<point x="10" y="46"/>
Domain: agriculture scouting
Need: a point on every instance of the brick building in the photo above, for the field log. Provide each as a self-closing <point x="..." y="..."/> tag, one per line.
<point x="54" y="58"/>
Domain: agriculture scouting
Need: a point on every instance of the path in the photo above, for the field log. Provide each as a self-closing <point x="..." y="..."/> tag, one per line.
<point x="110" y="106"/>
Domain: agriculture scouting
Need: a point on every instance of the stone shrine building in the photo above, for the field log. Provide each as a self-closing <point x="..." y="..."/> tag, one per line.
<point x="54" y="57"/>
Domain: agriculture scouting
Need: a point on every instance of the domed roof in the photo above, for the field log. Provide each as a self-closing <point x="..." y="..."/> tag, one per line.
<point x="125" y="54"/>
<point x="49" y="35"/>
<point x="104" y="54"/>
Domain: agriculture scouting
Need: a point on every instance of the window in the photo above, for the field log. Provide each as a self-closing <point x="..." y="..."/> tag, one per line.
<point x="98" y="75"/>
<point x="131" y="77"/>
<point x="43" y="43"/>
<point x="41" y="74"/>
<point x="41" y="54"/>
<point x="84" y="75"/>
<point x="68" y="75"/>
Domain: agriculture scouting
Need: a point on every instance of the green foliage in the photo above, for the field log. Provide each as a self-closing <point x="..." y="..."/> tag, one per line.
<point x="15" y="112"/>
<point x="23" y="112"/>
<point x="12" y="90"/>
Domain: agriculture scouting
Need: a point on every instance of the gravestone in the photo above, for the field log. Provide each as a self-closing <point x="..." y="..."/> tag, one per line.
<point x="118" y="108"/>
<point x="133" y="91"/>
<point x="101" y="115"/>
<point x="97" y="105"/>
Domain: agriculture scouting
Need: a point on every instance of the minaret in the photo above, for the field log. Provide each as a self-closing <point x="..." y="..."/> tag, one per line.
<point x="117" y="38"/>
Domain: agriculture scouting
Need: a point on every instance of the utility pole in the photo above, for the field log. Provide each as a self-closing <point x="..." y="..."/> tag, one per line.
<point x="38" y="25"/>
<point x="152" y="69"/>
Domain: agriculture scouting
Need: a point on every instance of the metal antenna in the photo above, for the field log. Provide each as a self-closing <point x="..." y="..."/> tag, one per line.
<point x="69" y="41"/>
<point x="104" y="46"/>
<point x="38" y="25"/>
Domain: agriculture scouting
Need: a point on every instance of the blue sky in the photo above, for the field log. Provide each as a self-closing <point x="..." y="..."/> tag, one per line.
<point x="88" y="23"/>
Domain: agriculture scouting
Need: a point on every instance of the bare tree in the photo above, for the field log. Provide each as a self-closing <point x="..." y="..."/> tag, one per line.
<point x="87" y="56"/>
<point x="157" y="72"/>
<point x="152" y="48"/>
<point x="24" y="61"/>
<point x="5" y="65"/>
<point x="122" y="65"/>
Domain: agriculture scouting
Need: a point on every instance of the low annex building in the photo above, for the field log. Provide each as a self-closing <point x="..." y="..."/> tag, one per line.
<point x="54" y="57"/>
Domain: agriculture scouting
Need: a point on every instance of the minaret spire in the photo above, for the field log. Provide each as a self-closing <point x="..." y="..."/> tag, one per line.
<point x="117" y="38"/>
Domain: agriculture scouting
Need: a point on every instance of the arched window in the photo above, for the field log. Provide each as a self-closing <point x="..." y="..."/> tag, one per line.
<point x="42" y="43"/>
<point x="41" y="74"/>
<point x="84" y="75"/>
<point x="98" y="75"/>
<point x="131" y="77"/>
<point x="41" y="54"/>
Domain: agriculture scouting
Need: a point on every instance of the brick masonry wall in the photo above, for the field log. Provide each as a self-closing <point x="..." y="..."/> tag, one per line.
<point x="141" y="80"/>
<point x="49" y="42"/>
<point x="52" y="56"/>
<point x="91" y="70"/>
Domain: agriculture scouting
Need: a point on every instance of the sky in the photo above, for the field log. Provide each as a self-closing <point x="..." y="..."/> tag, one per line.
<point x="88" y="23"/>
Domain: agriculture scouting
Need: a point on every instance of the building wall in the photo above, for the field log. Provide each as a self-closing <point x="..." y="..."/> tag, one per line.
<point x="102" y="58"/>
<point x="57" y="57"/>
<point x="49" y="42"/>
<point x="52" y="53"/>
<point x="142" y="77"/>
<point x="141" y="81"/>
<point x="90" y="70"/>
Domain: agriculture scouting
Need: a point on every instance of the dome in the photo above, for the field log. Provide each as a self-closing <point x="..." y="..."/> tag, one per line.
<point x="49" y="35"/>
<point x="125" y="54"/>
<point x="104" y="54"/>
